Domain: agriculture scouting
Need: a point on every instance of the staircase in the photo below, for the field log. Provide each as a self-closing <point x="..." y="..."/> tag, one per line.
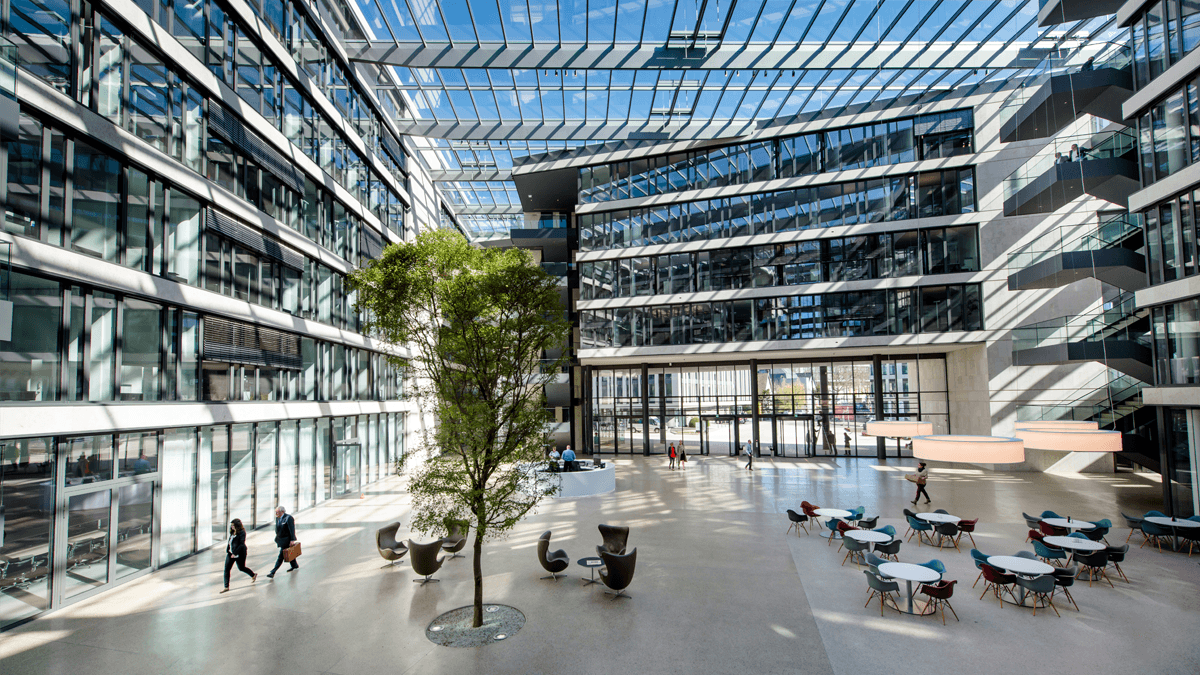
<point x="1119" y="337"/>
<point x="1111" y="252"/>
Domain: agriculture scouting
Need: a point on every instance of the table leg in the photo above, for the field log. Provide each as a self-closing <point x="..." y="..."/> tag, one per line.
<point x="910" y="596"/>
<point x="592" y="580"/>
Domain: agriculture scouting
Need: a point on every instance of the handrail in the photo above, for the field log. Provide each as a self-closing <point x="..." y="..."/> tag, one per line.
<point x="1114" y="56"/>
<point x="1107" y="234"/>
<point x="1105" y="145"/>
<point x="1092" y="404"/>
<point x="1109" y="324"/>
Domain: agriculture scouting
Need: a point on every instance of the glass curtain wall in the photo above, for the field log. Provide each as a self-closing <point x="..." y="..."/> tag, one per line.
<point x="810" y="408"/>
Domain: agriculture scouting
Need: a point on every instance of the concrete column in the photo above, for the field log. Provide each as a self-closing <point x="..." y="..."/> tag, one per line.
<point x="754" y="406"/>
<point x="877" y="369"/>
<point x="645" y="410"/>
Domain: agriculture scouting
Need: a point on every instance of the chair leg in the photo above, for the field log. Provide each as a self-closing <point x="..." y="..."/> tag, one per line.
<point x="977" y="580"/>
<point x="1105" y="576"/>
<point x="972" y="536"/>
<point x="1050" y="601"/>
<point x="1121" y="572"/>
<point x="869" y="598"/>
<point x="1067" y="592"/>
<point x="945" y="604"/>
<point x="554" y="576"/>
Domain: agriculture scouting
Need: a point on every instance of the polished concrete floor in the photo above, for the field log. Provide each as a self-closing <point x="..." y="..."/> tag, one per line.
<point x="719" y="588"/>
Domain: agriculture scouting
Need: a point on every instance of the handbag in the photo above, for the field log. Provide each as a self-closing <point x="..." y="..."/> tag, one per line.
<point x="910" y="477"/>
<point x="292" y="552"/>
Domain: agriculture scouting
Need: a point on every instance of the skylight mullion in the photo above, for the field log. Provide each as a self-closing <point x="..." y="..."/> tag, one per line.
<point x="779" y="31"/>
<point x="836" y="26"/>
<point x="811" y="21"/>
<point x="446" y="24"/>
<point x="815" y="89"/>
<point x="500" y="14"/>
<point x="766" y="95"/>
<point x="416" y="24"/>
<point x="885" y="86"/>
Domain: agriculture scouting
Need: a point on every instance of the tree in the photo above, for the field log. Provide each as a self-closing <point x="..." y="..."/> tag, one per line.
<point x="478" y="322"/>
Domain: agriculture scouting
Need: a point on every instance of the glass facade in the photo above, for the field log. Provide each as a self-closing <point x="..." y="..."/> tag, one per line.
<point x="1161" y="34"/>
<point x="1169" y="133"/>
<point x="804" y="409"/>
<point x="893" y="142"/>
<point x="905" y="197"/>
<point x="135" y="501"/>
<point x="924" y="309"/>
<point x="872" y="256"/>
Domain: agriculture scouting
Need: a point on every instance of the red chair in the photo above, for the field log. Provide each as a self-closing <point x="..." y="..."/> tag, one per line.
<point x="1052" y="531"/>
<point x="843" y="527"/>
<point x="939" y="598"/>
<point x="967" y="526"/>
<point x="809" y="510"/>
<point x="998" y="582"/>
<point x="1034" y="534"/>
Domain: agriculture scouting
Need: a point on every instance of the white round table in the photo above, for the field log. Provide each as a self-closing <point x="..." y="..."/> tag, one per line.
<point x="1023" y="566"/>
<point x="1071" y="524"/>
<point x="831" y="513"/>
<point x="938" y="517"/>
<point x="1074" y="544"/>
<point x="1172" y="523"/>
<point x="909" y="573"/>
<point x="869" y="536"/>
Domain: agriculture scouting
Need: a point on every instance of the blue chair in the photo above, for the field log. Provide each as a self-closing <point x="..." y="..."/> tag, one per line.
<point x="1154" y="533"/>
<point x="1078" y="535"/>
<point x="1098" y="532"/>
<point x="831" y="525"/>
<point x="935" y="565"/>
<point x="980" y="559"/>
<point x="1050" y="514"/>
<point x="919" y="528"/>
<point x="887" y="529"/>
<point x="856" y="514"/>
<point x="1155" y="514"/>
<point x="1052" y="556"/>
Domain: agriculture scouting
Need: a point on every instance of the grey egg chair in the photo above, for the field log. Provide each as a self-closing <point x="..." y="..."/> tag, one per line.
<point x="389" y="548"/>
<point x="618" y="572"/>
<point x="615" y="539"/>
<point x="424" y="560"/>
<point x="552" y="561"/>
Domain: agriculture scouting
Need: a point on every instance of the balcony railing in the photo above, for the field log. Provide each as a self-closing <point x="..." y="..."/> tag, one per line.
<point x="1112" y="56"/>
<point x="1108" y="233"/>
<point x="1116" y="323"/>
<point x="1108" y="145"/>
<point x="1097" y="403"/>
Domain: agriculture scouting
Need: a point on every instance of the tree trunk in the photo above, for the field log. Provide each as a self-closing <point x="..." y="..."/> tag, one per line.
<point x="478" y="568"/>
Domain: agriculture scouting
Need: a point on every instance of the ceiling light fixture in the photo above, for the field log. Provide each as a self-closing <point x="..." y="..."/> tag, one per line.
<point x="971" y="449"/>
<point x="898" y="428"/>
<point x="1068" y="436"/>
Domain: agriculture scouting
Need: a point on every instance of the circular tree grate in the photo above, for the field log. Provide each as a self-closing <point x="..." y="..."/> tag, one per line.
<point x="453" y="629"/>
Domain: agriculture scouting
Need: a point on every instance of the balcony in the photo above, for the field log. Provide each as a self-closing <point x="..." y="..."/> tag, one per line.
<point x="1106" y="170"/>
<point x="1118" y="337"/>
<point x="1053" y="12"/>
<point x="1064" y="89"/>
<point x="1110" y="252"/>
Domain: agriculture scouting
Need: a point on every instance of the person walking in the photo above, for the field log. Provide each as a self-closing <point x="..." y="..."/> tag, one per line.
<point x="672" y="456"/>
<point x="235" y="552"/>
<point x="285" y="537"/>
<point x="749" y="453"/>
<point x="922" y="478"/>
<point x="846" y="439"/>
<point x="682" y="458"/>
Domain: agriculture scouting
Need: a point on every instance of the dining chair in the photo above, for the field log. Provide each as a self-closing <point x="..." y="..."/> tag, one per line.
<point x="967" y="527"/>
<point x="889" y="549"/>
<point x="797" y="520"/>
<point x="1116" y="556"/>
<point x="853" y="548"/>
<point x="939" y="598"/>
<point x="884" y="589"/>
<point x="1041" y="588"/>
<point x="1065" y="578"/>
<point x="998" y="582"/>
<point x="917" y="527"/>
<point x="1134" y="523"/>
<point x="1050" y="556"/>
<point x="1093" y="563"/>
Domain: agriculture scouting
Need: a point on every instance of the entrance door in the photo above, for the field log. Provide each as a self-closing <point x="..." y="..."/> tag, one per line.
<point x="719" y="434"/>
<point x="346" y="469"/>
<point x="108" y="536"/>
<point x="795" y="435"/>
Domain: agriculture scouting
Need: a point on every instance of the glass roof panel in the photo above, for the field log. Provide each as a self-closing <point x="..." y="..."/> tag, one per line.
<point x="700" y="69"/>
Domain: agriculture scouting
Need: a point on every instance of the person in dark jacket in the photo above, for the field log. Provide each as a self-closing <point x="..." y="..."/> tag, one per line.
<point x="285" y="536"/>
<point x="235" y="552"/>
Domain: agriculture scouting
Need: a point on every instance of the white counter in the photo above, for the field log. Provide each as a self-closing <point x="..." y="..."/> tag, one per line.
<point x="586" y="483"/>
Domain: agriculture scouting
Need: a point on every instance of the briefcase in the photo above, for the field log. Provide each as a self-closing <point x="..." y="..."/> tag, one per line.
<point x="292" y="552"/>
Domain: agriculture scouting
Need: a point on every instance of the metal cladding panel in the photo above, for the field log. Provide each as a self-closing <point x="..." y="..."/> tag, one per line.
<point x="232" y="130"/>
<point x="237" y="342"/>
<point x="955" y="120"/>
<point x="371" y="243"/>
<point x="254" y="240"/>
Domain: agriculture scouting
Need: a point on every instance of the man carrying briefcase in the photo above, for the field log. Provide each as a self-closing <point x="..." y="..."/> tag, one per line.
<point x="285" y="539"/>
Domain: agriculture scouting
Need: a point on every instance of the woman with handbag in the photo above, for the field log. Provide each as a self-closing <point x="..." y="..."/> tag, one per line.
<point x="921" y="477"/>
<point x="235" y="552"/>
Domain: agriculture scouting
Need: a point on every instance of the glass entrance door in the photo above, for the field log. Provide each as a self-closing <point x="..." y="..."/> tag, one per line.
<point x="346" y="469"/>
<point x="719" y="434"/>
<point x="108" y="536"/>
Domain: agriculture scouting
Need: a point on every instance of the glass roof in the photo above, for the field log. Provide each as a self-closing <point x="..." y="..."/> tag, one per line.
<point x="477" y="74"/>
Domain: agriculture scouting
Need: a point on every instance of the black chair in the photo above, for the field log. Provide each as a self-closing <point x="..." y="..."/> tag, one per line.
<point x="454" y="542"/>
<point x="1116" y="556"/>
<point x="618" y="572"/>
<point x="1094" y="563"/>
<point x="389" y="548"/>
<point x="1063" y="579"/>
<point x="868" y="523"/>
<point x="615" y="538"/>
<point x="424" y="560"/>
<point x="890" y="549"/>
<point x="947" y="531"/>
<point x="798" y="520"/>
<point x="553" y="562"/>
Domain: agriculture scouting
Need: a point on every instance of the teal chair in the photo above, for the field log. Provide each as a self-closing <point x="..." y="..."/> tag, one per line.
<point x="831" y="525"/>
<point x="1078" y="535"/>
<point x="935" y="565"/>
<point x="1098" y="532"/>
<point x="980" y="559"/>
<point x="919" y="528"/>
<point x="1154" y="533"/>
<point x="1050" y="514"/>
<point x="1050" y="556"/>
<point x="1134" y="524"/>
<point x="856" y="514"/>
<point x="887" y="529"/>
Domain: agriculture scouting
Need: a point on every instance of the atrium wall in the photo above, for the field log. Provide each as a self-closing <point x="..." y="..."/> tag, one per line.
<point x="186" y="187"/>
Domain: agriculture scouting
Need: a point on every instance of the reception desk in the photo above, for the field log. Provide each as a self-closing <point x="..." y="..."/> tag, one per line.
<point x="587" y="482"/>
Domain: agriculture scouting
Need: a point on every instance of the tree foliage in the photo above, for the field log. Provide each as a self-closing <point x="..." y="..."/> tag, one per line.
<point x="478" y="323"/>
